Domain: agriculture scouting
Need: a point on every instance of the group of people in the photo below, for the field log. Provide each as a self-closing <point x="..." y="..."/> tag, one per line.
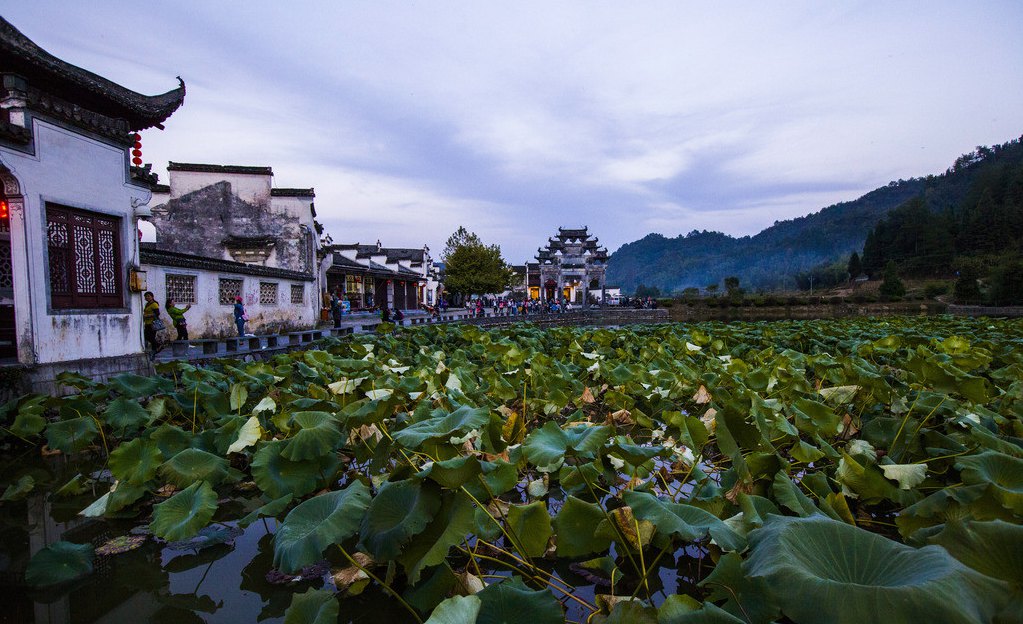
<point x="152" y="323"/>
<point x="501" y="306"/>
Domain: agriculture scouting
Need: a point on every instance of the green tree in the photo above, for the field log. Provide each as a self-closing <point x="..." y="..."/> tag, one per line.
<point x="1007" y="283"/>
<point x="855" y="266"/>
<point x="892" y="287"/>
<point x="966" y="289"/>
<point x="472" y="267"/>
<point x="647" y="291"/>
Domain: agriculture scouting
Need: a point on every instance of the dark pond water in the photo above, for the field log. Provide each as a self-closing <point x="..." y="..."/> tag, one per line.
<point x="225" y="583"/>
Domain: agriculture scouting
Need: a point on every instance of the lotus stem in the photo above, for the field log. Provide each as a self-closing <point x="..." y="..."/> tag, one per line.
<point x="385" y="586"/>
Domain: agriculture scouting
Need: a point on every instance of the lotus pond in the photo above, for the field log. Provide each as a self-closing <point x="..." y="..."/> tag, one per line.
<point x="834" y="471"/>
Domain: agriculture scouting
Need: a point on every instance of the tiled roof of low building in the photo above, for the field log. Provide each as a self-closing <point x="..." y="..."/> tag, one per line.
<point x="292" y="192"/>
<point x="164" y="258"/>
<point x="205" y="168"/>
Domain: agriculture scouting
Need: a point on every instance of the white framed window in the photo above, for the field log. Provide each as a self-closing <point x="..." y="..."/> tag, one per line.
<point x="180" y="288"/>
<point x="268" y="293"/>
<point x="230" y="289"/>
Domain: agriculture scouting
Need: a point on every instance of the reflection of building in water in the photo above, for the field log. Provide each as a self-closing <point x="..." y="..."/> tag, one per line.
<point x="572" y="266"/>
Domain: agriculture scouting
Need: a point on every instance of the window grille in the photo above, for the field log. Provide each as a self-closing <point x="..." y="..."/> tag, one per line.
<point x="181" y="288"/>
<point x="268" y="293"/>
<point x="297" y="293"/>
<point x="229" y="290"/>
<point x="84" y="259"/>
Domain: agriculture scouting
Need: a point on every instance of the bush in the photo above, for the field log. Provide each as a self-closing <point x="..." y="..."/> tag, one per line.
<point x="935" y="289"/>
<point x="665" y="303"/>
<point x="892" y="288"/>
<point x="1007" y="283"/>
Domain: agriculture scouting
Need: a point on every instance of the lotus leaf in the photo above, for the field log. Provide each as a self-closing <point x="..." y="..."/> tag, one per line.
<point x="314" y="606"/>
<point x="182" y="515"/>
<point x="192" y="465"/>
<point x="450" y="526"/>
<point x="270" y="509"/>
<point x="20" y="489"/>
<point x="58" y="563"/>
<point x="1002" y="473"/>
<point x="401" y="510"/>
<point x="530" y="526"/>
<point x="511" y="601"/>
<point x="459" y="421"/>
<point x="317" y="436"/>
<point x="820" y="570"/>
<point x="72" y="435"/>
<point x="456" y="610"/>
<point x="992" y="548"/>
<point x="574" y="528"/>
<point x="315" y="524"/>
<point x="136" y="386"/>
<point x="125" y="415"/>
<point x="136" y="461"/>
<point x="684" y="521"/>
<point x="453" y="473"/>
<point x="29" y="420"/>
<point x="278" y="476"/>
<point x="550" y="444"/>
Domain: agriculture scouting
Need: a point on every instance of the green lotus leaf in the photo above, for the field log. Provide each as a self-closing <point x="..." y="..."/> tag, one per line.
<point x="574" y="528"/>
<point x="805" y="453"/>
<point x="314" y="606"/>
<point x="815" y="417"/>
<point x="136" y="461"/>
<point x="530" y="525"/>
<point x="498" y="477"/>
<point x="20" y="489"/>
<point x="868" y="483"/>
<point x="453" y="473"/>
<point x="548" y="445"/>
<point x="634" y="454"/>
<point x="821" y="570"/>
<point x="29" y="420"/>
<point x="459" y="421"/>
<point x="58" y="563"/>
<point x="790" y="496"/>
<point x="315" y="524"/>
<point x="631" y="611"/>
<point x="400" y="510"/>
<point x="271" y="509"/>
<point x="125" y="415"/>
<point x="1002" y="473"/>
<point x="72" y="435"/>
<point x="684" y="521"/>
<point x="171" y="440"/>
<point x="317" y="436"/>
<point x="692" y="432"/>
<point x="450" y="526"/>
<point x="73" y="487"/>
<point x="741" y="595"/>
<point x="135" y="386"/>
<point x="182" y="515"/>
<point x="511" y="601"/>
<point x="992" y="548"/>
<point x="456" y="610"/>
<point x="708" y="614"/>
<point x="192" y="465"/>
<point x="277" y="476"/>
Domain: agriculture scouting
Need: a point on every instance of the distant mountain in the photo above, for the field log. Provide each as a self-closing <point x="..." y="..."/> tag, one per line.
<point x="772" y="258"/>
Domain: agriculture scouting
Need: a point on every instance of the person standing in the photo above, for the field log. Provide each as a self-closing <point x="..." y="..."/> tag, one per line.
<point x="335" y="309"/>
<point x="150" y="324"/>
<point x="240" y="316"/>
<point x="178" y="317"/>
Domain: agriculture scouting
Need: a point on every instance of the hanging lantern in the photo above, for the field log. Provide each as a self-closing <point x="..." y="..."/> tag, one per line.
<point x="4" y="210"/>
<point x="136" y="151"/>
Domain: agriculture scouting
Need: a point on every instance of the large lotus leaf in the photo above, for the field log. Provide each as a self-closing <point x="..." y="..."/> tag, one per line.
<point x="136" y="461"/>
<point x="453" y="473"/>
<point x="1003" y="473"/>
<point x="314" y="606"/>
<point x="456" y="610"/>
<point x="684" y="521"/>
<point x="399" y="511"/>
<point x="867" y="482"/>
<point x="171" y="440"/>
<point x="19" y="489"/>
<point x="548" y="445"/>
<point x="450" y="526"/>
<point x="136" y="386"/>
<point x="635" y="454"/>
<point x="249" y="433"/>
<point x="182" y="515"/>
<point x="629" y="611"/>
<point x="29" y="420"/>
<point x="313" y="525"/>
<point x="498" y="477"/>
<point x="192" y="465"/>
<point x="317" y="436"/>
<point x="125" y="415"/>
<point x="815" y="417"/>
<point x="709" y="614"/>
<point x="459" y="421"/>
<point x="992" y="548"/>
<point x="741" y="595"/>
<point x="574" y="527"/>
<point x="530" y="526"/>
<point x="822" y="570"/>
<point x="788" y="495"/>
<point x="72" y="435"/>
<point x="59" y="562"/>
<point x="510" y="602"/>
<point x="271" y="509"/>
<point x="277" y="476"/>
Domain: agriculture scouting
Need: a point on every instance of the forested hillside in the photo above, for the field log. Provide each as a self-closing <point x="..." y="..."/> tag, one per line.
<point x="773" y="258"/>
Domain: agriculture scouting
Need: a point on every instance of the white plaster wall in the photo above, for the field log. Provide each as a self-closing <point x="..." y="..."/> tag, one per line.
<point x="253" y="188"/>
<point x="73" y="170"/>
<point x="209" y="319"/>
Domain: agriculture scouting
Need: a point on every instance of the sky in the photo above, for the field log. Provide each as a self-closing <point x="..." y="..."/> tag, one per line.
<point x="411" y="119"/>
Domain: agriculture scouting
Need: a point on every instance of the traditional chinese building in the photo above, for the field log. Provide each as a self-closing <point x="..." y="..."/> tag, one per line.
<point x="571" y="266"/>
<point x="69" y="212"/>
<point x="373" y="276"/>
<point x="224" y="231"/>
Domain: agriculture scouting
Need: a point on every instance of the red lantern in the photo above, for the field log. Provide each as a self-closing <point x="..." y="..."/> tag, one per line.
<point x="136" y="153"/>
<point x="137" y="161"/>
<point x="4" y="210"/>
<point x="136" y="136"/>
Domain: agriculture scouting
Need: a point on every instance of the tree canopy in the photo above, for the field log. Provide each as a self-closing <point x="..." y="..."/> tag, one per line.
<point x="472" y="267"/>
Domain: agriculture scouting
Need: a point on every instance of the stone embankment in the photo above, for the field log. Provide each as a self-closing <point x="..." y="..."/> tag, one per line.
<point x="686" y="313"/>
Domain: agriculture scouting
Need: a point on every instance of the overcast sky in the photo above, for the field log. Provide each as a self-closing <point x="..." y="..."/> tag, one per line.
<point x="512" y="118"/>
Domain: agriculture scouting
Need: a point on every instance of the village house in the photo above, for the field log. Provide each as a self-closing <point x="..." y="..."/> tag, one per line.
<point x="374" y="276"/>
<point x="224" y="231"/>
<point x="71" y="200"/>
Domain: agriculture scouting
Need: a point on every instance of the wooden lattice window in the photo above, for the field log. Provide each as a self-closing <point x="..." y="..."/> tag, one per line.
<point x="297" y="293"/>
<point x="230" y="289"/>
<point x="181" y="288"/>
<point x="268" y="293"/>
<point x="85" y="259"/>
